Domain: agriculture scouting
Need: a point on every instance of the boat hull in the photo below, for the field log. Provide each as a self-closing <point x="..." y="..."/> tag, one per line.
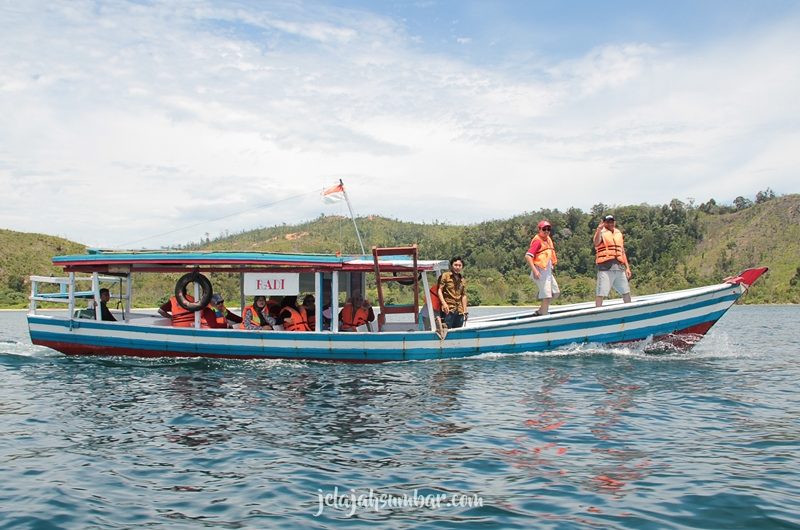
<point x="679" y="318"/>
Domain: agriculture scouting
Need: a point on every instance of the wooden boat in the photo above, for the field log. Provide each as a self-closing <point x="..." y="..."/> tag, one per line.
<point x="401" y="332"/>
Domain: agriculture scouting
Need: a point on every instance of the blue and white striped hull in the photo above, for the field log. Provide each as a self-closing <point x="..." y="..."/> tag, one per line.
<point x="679" y="315"/>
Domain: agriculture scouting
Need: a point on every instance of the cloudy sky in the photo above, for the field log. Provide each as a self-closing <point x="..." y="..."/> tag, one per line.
<point x="148" y="123"/>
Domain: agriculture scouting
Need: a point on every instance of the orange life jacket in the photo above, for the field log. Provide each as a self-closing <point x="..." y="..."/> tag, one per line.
<point x="352" y="319"/>
<point x="436" y="304"/>
<point x="181" y="318"/>
<point x="611" y="247"/>
<point x="210" y="318"/>
<point x="298" y="318"/>
<point x="546" y="252"/>
<point x="254" y="318"/>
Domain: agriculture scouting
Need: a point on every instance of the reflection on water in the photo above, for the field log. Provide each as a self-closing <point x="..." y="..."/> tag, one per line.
<point x="584" y="437"/>
<point x="616" y="463"/>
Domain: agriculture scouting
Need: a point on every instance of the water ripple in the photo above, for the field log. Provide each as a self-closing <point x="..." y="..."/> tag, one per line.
<point x="585" y="437"/>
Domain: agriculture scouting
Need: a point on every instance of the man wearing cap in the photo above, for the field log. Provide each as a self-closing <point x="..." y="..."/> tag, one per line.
<point x="541" y="258"/>
<point x="613" y="269"/>
<point x="216" y="315"/>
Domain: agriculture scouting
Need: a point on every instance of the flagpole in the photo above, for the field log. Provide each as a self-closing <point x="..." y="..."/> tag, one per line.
<point x="353" y="217"/>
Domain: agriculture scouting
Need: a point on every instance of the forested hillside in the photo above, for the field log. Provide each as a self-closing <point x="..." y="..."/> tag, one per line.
<point x="767" y="234"/>
<point x="670" y="246"/>
<point x="22" y="255"/>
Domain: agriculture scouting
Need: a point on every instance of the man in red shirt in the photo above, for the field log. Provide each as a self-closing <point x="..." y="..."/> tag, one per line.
<point x="180" y="316"/>
<point x="541" y="258"/>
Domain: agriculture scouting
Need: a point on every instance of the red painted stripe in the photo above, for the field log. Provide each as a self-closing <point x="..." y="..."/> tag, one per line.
<point x="683" y="339"/>
<point x="69" y="348"/>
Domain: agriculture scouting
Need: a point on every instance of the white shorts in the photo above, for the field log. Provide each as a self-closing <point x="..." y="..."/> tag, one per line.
<point x="612" y="278"/>
<point x="547" y="284"/>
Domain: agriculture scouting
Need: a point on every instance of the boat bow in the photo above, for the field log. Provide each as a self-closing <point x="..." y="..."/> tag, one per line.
<point x="747" y="277"/>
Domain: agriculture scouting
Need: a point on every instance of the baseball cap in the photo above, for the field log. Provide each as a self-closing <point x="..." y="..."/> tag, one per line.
<point x="542" y="224"/>
<point x="217" y="298"/>
<point x="608" y="218"/>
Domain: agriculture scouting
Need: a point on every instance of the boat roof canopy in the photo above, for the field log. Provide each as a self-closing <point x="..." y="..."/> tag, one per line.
<point x="124" y="262"/>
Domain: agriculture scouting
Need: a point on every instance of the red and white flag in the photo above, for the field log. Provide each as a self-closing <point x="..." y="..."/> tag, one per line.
<point x="333" y="194"/>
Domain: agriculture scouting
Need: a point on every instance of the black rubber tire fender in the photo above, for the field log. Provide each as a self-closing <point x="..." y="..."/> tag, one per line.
<point x="205" y="286"/>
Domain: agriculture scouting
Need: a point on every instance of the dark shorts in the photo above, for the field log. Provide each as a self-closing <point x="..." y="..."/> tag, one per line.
<point x="454" y="320"/>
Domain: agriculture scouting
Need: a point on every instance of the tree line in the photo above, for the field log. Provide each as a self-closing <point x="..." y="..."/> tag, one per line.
<point x="659" y="241"/>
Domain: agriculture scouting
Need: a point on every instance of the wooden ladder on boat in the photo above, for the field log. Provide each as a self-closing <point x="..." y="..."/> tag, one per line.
<point x="409" y="276"/>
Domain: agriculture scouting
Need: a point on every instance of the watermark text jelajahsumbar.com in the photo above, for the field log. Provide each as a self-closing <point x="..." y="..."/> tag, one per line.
<point x="352" y="501"/>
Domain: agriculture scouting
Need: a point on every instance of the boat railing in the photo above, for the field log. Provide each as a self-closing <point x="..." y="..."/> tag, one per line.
<point x="68" y="294"/>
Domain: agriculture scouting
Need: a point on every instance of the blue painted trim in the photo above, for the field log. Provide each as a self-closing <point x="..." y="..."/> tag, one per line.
<point x="363" y="354"/>
<point x="509" y="329"/>
<point x="547" y="327"/>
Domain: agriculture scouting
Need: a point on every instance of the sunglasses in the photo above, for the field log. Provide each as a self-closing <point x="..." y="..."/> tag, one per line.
<point x="545" y="229"/>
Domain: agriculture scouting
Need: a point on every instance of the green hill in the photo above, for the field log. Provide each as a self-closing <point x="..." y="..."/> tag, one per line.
<point x="22" y="255"/>
<point x="670" y="246"/>
<point x="765" y="234"/>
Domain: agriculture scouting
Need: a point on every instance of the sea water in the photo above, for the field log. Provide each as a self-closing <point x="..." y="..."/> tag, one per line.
<point x="584" y="437"/>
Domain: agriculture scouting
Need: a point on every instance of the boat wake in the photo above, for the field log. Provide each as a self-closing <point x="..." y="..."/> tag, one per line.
<point x="195" y="363"/>
<point x="653" y="350"/>
<point x="27" y="350"/>
<point x="10" y="350"/>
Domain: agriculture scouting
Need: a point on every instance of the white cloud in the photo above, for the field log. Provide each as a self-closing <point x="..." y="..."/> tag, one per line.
<point x="162" y="115"/>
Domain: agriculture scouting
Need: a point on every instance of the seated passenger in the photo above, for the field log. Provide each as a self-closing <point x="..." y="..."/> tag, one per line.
<point x="274" y="306"/>
<point x="311" y="311"/>
<point x="255" y="316"/>
<point x="181" y="318"/>
<point x="356" y="312"/>
<point x="105" y="313"/>
<point x="292" y="317"/>
<point x="222" y="317"/>
<point x="208" y="318"/>
<point x="327" y="316"/>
